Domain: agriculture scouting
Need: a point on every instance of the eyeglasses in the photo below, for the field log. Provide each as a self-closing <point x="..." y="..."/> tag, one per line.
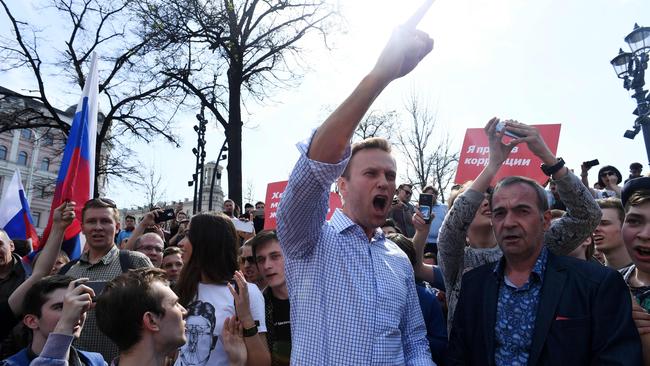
<point x="102" y="200"/>
<point x="407" y="192"/>
<point x="151" y="248"/>
<point x="604" y="174"/>
<point x="249" y="259"/>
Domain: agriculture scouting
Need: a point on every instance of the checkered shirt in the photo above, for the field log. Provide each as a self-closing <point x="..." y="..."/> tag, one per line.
<point x="353" y="302"/>
<point x="92" y="339"/>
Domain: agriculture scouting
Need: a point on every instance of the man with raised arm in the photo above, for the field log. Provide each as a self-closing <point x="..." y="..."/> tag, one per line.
<point x="352" y="294"/>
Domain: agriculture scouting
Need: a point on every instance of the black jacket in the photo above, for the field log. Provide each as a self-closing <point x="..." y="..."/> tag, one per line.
<point x="584" y="317"/>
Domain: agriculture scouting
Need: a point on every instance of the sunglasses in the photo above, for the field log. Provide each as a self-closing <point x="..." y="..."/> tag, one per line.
<point x="102" y="200"/>
<point x="249" y="259"/>
<point x="604" y="174"/>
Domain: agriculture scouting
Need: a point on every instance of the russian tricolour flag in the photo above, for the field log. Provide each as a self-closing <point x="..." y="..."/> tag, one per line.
<point x="77" y="172"/>
<point x="15" y="217"/>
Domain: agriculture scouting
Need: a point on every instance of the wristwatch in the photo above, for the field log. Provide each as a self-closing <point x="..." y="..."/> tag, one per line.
<point x="552" y="169"/>
<point x="249" y="332"/>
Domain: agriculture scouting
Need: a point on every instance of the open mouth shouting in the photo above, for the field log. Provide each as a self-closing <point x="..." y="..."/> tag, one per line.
<point x="642" y="253"/>
<point x="380" y="203"/>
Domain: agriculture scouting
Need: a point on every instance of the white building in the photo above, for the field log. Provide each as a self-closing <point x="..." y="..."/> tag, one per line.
<point x="36" y="152"/>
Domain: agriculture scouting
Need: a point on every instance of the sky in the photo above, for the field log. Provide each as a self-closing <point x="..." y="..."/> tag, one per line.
<point x="538" y="62"/>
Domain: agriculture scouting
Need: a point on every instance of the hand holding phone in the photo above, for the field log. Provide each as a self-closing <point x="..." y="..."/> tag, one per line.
<point x="426" y="205"/>
<point x="165" y="215"/>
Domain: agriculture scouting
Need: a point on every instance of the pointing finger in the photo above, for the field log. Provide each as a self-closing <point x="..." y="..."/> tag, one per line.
<point x="413" y="21"/>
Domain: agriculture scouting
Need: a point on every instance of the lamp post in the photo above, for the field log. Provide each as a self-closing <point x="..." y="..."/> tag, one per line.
<point x="631" y="66"/>
<point x="215" y="173"/>
<point x="199" y="152"/>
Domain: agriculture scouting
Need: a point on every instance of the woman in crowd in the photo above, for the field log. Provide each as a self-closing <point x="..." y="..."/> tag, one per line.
<point x="204" y="288"/>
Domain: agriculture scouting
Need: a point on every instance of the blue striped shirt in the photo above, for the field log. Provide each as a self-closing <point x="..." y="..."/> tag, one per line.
<point x="353" y="301"/>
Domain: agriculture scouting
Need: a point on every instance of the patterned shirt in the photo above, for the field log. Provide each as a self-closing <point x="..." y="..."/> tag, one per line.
<point x="641" y="294"/>
<point x="107" y="268"/>
<point x="455" y="256"/>
<point x="516" y="313"/>
<point x="353" y="300"/>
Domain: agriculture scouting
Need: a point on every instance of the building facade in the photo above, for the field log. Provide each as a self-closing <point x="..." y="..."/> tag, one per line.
<point x="36" y="152"/>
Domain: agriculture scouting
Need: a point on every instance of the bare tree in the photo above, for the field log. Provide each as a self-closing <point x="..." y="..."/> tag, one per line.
<point x="250" y="192"/>
<point x="135" y="99"/>
<point x="226" y="52"/>
<point x="376" y="124"/>
<point x="151" y="183"/>
<point x="428" y="152"/>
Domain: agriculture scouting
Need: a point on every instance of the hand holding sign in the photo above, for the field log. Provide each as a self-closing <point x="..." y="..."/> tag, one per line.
<point x="405" y="49"/>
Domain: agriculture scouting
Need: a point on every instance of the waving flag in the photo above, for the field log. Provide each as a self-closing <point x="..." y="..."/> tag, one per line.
<point x="77" y="172"/>
<point x="15" y="217"/>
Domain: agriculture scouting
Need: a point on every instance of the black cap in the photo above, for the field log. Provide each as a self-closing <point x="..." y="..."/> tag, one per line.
<point x="632" y="186"/>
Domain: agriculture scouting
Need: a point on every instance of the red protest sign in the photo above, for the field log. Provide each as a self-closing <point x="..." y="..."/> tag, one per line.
<point x="475" y="153"/>
<point x="274" y="193"/>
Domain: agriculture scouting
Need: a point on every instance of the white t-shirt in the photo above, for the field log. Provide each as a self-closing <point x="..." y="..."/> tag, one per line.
<point x="205" y="317"/>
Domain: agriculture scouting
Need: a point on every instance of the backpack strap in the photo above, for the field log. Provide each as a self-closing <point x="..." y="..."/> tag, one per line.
<point x="67" y="267"/>
<point x="125" y="261"/>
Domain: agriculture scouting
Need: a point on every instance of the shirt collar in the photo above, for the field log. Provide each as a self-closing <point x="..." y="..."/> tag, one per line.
<point x="106" y="259"/>
<point x="538" y="269"/>
<point x="341" y="222"/>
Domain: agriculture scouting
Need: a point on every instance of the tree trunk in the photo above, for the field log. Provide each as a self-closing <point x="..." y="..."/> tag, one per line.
<point x="234" y="136"/>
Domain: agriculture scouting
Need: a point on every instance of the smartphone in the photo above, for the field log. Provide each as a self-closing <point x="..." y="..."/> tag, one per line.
<point x="426" y="203"/>
<point x="97" y="286"/>
<point x="166" y="215"/>
<point x="258" y="213"/>
<point x="591" y="163"/>
<point x="501" y="126"/>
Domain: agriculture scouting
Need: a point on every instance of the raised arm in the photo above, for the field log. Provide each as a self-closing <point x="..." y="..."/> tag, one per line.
<point x="148" y="220"/>
<point x="303" y="207"/>
<point x="583" y="214"/>
<point x="453" y="233"/>
<point x="61" y="219"/>
<point x="405" y="49"/>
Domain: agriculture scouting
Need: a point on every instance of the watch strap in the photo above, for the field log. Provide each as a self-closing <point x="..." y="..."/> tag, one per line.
<point x="552" y="169"/>
<point x="249" y="332"/>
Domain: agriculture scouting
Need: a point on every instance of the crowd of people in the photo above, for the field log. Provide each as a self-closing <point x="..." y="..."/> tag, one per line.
<point x="504" y="274"/>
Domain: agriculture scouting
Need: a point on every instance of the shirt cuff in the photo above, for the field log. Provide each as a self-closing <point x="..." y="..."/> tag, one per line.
<point x="57" y="346"/>
<point x="325" y="173"/>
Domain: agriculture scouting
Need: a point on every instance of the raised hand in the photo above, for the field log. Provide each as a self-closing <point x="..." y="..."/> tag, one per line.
<point x="64" y="215"/>
<point x="419" y="223"/>
<point x="242" y="302"/>
<point x="499" y="151"/>
<point x="405" y="49"/>
<point x="76" y="302"/>
<point x="533" y="140"/>
<point x="233" y="342"/>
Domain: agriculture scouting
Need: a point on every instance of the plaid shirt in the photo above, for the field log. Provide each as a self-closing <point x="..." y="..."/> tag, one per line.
<point x="353" y="301"/>
<point x="107" y="268"/>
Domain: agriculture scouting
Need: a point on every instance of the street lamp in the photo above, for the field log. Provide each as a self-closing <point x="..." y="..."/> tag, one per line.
<point x="215" y="173"/>
<point x="631" y="66"/>
<point x="199" y="152"/>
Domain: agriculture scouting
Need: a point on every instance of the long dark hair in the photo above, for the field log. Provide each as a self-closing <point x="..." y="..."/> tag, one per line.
<point x="214" y="254"/>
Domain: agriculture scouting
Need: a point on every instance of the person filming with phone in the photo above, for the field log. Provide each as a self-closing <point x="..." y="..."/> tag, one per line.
<point x="103" y="261"/>
<point x="352" y="293"/>
<point x="55" y="312"/>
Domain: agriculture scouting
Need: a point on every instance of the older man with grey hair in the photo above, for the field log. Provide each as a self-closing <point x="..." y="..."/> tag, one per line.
<point x="151" y="245"/>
